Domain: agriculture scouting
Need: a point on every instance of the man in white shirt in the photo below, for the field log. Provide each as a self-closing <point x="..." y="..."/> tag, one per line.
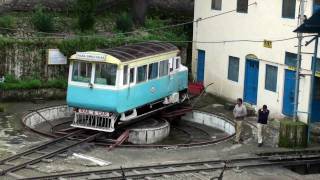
<point x="239" y="113"/>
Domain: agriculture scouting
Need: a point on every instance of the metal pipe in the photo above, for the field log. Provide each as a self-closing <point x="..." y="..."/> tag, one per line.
<point x="313" y="69"/>
<point x="297" y="85"/>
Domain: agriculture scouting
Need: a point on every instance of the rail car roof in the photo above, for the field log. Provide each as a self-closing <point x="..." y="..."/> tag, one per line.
<point x="127" y="53"/>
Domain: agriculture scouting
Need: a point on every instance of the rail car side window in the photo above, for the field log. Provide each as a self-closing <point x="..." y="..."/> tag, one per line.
<point x="106" y="74"/>
<point x="132" y="75"/>
<point x="163" y="70"/>
<point x="142" y="74"/>
<point x="171" y="64"/>
<point x="81" y="71"/>
<point x="177" y="63"/>
<point x="125" y="75"/>
<point x="153" y="71"/>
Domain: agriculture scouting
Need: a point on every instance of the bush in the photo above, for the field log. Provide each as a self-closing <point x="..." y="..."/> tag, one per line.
<point x="7" y="22"/>
<point x="86" y="14"/>
<point x="12" y="83"/>
<point x="41" y="21"/>
<point x="124" y="22"/>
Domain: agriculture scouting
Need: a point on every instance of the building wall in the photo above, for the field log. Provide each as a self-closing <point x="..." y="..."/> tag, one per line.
<point x="262" y="22"/>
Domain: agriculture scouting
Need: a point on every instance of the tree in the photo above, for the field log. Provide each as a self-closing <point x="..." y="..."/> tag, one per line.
<point x="139" y="8"/>
<point x="86" y="14"/>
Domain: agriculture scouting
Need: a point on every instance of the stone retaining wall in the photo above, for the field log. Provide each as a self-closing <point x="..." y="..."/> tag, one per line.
<point x="211" y="120"/>
<point x="33" y="119"/>
<point x="31" y="94"/>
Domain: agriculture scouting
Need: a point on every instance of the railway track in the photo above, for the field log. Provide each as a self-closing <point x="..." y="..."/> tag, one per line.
<point x="42" y="152"/>
<point x="172" y="170"/>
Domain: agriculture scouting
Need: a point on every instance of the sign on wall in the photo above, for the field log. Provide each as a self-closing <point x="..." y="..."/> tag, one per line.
<point x="267" y="44"/>
<point x="55" y="57"/>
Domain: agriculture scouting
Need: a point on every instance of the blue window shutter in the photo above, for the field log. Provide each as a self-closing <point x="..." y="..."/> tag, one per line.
<point x="233" y="69"/>
<point x="271" y="78"/>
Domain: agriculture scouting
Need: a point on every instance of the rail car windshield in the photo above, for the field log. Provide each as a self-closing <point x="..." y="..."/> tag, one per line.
<point x="105" y="74"/>
<point x="81" y="71"/>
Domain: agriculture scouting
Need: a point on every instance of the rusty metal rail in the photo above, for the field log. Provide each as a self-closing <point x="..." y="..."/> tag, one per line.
<point x="42" y="152"/>
<point x="167" y="170"/>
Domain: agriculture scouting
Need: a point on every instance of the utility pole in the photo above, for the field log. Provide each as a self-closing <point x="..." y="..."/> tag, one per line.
<point x="298" y="65"/>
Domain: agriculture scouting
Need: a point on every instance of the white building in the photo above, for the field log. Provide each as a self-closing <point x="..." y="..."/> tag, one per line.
<point x="250" y="69"/>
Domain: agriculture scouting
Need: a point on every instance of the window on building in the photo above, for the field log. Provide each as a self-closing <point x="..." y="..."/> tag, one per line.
<point x="132" y="72"/>
<point x="316" y="6"/>
<point x="125" y="75"/>
<point x="290" y="59"/>
<point x="163" y="69"/>
<point x="216" y="4"/>
<point x="233" y="69"/>
<point x="153" y="71"/>
<point x="289" y="8"/>
<point x="105" y="74"/>
<point x="317" y="89"/>
<point x="142" y="74"/>
<point x="271" y="78"/>
<point x="81" y="71"/>
<point x="242" y="6"/>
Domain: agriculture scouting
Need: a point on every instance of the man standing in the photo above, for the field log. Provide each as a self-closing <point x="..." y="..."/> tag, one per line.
<point x="262" y="121"/>
<point x="239" y="112"/>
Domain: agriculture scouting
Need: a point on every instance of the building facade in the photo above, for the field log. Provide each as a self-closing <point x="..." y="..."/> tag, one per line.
<point x="248" y="49"/>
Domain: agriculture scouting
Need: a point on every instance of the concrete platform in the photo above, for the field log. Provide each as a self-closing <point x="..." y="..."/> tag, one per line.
<point x="149" y="132"/>
<point x="139" y="157"/>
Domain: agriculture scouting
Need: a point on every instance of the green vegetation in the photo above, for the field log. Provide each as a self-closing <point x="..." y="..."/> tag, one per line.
<point x="7" y="22"/>
<point x="293" y="134"/>
<point x="124" y="23"/>
<point x="86" y="14"/>
<point x="11" y="83"/>
<point x="42" y="21"/>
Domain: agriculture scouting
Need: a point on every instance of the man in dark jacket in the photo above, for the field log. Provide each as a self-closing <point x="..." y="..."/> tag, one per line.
<point x="263" y="115"/>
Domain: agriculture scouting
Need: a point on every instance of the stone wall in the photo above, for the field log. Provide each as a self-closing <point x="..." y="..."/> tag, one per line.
<point x="32" y="94"/>
<point x="29" y="61"/>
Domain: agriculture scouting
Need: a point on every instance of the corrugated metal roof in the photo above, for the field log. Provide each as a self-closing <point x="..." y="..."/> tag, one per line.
<point x="311" y="25"/>
<point x="139" y="50"/>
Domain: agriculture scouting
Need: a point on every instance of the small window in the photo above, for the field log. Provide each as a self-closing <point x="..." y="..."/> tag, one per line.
<point x="289" y="8"/>
<point x="171" y="64"/>
<point x="106" y="74"/>
<point x="316" y="6"/>
<point x="125" y="75"/>
<point x="290" y="59"/>
<point x="242" y="6"/>
<point x="163" y="70"/>
<point x="81" y="71"/>
<point x="132" y="75"/>
<point x="271" y="78"/>
<point x="233" y="69"/>
<point x="216" y="4"/>
<point x="142" y="74"/>
<point x="317" y="89"/>
<point x="177" y="63"/>
<point x="153" y="71"/>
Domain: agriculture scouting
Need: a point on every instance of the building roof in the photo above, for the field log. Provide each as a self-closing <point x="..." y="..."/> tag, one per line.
<point x="139" y="50"/>
<point x="311" y="25"/>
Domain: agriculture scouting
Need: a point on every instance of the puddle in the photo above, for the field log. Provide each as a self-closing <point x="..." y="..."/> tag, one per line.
<point x="12" y="135"/>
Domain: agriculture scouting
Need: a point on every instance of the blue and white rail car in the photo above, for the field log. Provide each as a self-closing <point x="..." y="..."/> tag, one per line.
<point x="109" y="86"/>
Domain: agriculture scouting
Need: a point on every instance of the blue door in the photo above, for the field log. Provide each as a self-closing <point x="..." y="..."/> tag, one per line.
<point x="289" y="91"/>
<point x="315" y="116"/>
<point x="251" y="81"/>
<point x="201" y="63"/>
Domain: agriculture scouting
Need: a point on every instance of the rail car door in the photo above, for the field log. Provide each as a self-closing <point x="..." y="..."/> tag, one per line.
<point x="173" y="81"/>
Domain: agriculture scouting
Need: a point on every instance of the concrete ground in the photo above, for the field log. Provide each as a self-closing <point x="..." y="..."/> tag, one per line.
<point x="139" y="157"/>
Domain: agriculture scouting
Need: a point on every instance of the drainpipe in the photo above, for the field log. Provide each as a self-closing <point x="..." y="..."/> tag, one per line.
<point x="298" y="65"/>
<point x="313" y="69"/>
